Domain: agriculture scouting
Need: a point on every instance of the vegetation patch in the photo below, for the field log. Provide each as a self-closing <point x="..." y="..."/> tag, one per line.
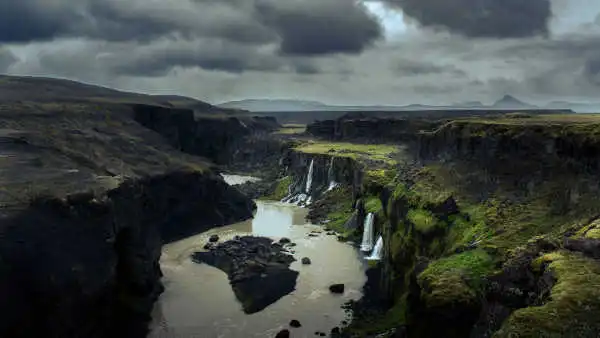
<point x="281" y="189"/>
<point x="372" y="204"/>
<point x="376" y="179"/>
<point x="574" y="305"/>
<point x="338" y="207"/>
<point x="374" y="152"/>
<point x="469" y="268"/>
<point x="463" y="232"/>
<point x="291" y="129"/>
<point x="424" y="221"/>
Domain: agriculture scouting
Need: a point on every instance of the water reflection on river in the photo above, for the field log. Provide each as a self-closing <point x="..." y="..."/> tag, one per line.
<point x="199" y="302"/>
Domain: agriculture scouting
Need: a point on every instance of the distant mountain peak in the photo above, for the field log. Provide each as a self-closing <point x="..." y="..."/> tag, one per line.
<point x="509" y="101"/>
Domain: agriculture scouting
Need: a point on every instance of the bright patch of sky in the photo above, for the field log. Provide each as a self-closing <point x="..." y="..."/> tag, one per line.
<point x="392" y="20"/>
<point x="569" y="15"/>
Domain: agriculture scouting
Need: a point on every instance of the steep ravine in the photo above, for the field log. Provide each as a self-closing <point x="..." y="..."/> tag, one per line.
<point x="87" y="266"/>
<point x="88" y="197"/>
<point x="489" y="229"/>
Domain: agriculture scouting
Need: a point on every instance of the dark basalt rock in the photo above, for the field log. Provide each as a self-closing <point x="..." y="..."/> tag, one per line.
<point x="306" y="261"/>
<point x="587" y="246"/>
<point x="285" y="240"/>
<point x="285" y="333"/>
<point x="258" y="270"/>
<point x="295" y="323"/>
<point x="214" y="238"/>
<point x="336" y="288"/>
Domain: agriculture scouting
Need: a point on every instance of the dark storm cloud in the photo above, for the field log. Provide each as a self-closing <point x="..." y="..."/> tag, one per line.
<point x="481" y="18"/>
<point x="23" y="21"/>
<point x="302" y="27"/>
<point x="30" y="20"/>
<point x="7" y="58"/>
<point x="413" y="68"/>
<point x="314" y="27"/>
<point x="160" y="58"/>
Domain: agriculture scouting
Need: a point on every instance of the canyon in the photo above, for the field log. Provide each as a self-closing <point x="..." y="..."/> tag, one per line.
<point x="470" y="224"/>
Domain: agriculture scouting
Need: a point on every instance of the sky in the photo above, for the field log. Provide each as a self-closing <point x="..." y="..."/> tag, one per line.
<point x="333" y="51"/>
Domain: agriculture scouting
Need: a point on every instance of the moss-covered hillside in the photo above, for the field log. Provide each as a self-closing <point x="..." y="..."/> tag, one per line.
<point x="491" y="231"/>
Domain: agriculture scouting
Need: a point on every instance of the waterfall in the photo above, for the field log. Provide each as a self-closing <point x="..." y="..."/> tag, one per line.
<point x="367" y="239"/>
<point x="331" y="176"/>
<point x="309" y="176"/>
<point x="377" y="251"/>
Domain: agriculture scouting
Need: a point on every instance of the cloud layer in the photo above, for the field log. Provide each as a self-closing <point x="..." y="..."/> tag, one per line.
<point x="330" y="50"/>
<point x="481" y="18"/>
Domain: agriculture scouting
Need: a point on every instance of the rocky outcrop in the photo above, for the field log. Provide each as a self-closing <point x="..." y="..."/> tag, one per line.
<point x="240" y="142"/>
<point x="258" y="270"/>
<point x="326" y="168"/>
<point x="370" y="129"/>
<point x="88" y="197"/>
<point x="87" y="265"/>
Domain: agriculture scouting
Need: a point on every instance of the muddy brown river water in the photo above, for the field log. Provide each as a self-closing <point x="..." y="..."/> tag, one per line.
<point x="198" y="300"/>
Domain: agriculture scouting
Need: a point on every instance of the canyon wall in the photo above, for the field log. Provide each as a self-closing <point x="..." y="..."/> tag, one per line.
<point x="468" y="227"/>
<point x="88" y="196"/>
<point x="241" y="143"/>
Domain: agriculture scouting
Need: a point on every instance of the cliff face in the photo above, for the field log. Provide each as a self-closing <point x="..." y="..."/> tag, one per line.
<point x="489" y="232"/>
<point x="370" y="129"/>
<point x="88" y="195"/>
<point x="241" y="143"/>
<point x="326" y="169"/>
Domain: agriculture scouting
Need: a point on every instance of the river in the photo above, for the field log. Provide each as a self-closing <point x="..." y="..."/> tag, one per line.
<point x="198" y="300"/>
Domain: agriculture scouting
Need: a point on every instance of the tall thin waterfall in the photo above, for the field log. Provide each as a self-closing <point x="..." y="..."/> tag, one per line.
<point x="367" y="239"/>
<point x="331" y="176"/>
<point x="377" y="251"/>
<point x="309" y="176"/>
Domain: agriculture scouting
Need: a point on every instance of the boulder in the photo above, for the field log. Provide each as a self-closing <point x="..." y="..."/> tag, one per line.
<point x="336" y="288"/>
<point x="214" y="238"/>
<point x="285" y="333"/>
<point x="295" y="323"/>
<point x="306" y="261"/>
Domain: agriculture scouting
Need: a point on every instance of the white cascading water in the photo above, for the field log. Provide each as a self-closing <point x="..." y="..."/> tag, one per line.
<point x="331" y="176"/>
<point x="367" y="239"/>
<point x="377" y="250"/>
<point x="302" y="198"/>
<point x="309" y="176"/>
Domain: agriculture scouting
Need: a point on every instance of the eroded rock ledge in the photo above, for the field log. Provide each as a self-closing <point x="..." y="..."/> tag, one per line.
<point x="87" y="265"/>
<point x="258" y="270"/>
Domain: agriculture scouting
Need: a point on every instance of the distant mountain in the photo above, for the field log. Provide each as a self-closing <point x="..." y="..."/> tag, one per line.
<point x="43" y="89"/>
<point x="264" y="105"/>
<point x="510" y="102"/>
<point x="278" y="105"/>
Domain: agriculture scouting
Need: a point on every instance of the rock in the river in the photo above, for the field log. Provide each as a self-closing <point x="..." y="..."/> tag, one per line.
<point x="285" y="333"/>
<point x="258" y="271"/>
<point x="214" y="238"/>
<point x="209" y="246"/>
<point x="295" y="323"/>
<point x="285" y="240"/>
<point x="335" y="332"/>
<point x="336" y="288"/>
<point x="306" y="261"/>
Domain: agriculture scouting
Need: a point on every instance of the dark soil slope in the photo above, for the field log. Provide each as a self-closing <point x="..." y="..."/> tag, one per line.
<point x="87" y="197"/>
